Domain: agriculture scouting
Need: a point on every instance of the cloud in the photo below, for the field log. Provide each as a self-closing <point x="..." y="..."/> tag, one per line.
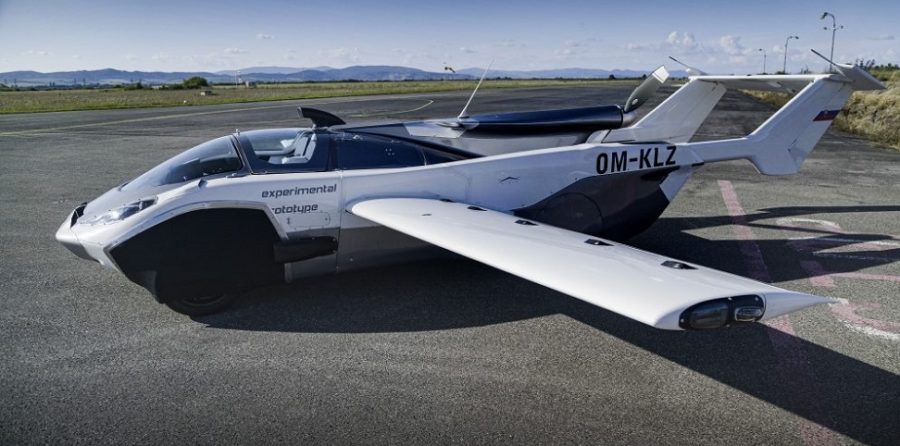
<point x="131" y="57"/>
<point x="684" y="41"/>
<point x="726" y="49"/>
<point x="214" y="59"/>
<point x="343" y="55"/>
<point x="732" y="45"/>
<point x="676" y="42"/>
<point x="235" y="51"/>
<point x="40" y="53"/>
<point x="467" y="50"/>
<point x="882" y="37"/>
<point x="160" y="57"/>
<point x="509" y="43"/>
<point x="408" y="57"/>
<point x="577" y="47"/>
<point x="263" y="36"/>
<point x="633" y="46"/>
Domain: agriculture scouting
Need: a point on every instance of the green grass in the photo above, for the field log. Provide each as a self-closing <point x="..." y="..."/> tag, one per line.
<point x="113" y="98"/>
<point x="873" y="114"/>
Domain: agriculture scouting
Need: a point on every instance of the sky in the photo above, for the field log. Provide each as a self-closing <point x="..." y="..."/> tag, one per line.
<point x="166" y="35"/>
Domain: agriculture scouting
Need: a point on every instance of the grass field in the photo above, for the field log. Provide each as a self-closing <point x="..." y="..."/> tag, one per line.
<point x="111" y="98"/>
<point x="873" y="114"/>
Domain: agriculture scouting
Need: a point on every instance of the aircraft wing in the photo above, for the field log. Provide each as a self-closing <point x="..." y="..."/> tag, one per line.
<point x="656" y="290"/>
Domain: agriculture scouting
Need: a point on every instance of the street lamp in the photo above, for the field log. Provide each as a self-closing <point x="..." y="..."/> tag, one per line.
<point x="764" y="59"/>
<point x="834" y="28"/>
<point x="784" y="68"/>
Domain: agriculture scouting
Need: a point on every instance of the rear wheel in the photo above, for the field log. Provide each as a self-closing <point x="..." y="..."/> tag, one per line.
<point x="201" y="305"/>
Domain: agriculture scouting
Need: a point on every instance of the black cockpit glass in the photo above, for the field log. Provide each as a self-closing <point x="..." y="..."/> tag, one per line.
<point x="210" y="158"/>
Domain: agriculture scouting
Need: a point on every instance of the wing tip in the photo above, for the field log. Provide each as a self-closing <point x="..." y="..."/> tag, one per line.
<point x="780" y="304"/>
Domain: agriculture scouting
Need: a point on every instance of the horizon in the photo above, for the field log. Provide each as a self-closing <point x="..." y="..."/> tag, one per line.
<point x="322" y="67"/>
<point x="169" y="36"/>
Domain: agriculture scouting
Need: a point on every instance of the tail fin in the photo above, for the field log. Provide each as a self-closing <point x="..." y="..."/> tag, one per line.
<point x="781" y="144"/>
<point x="677" y="118"/>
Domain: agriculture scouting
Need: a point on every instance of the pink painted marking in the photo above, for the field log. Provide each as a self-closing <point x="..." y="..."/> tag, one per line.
<point x="817" y="275"/>
<point x="750" y="250"/>
<point x="864" y="276"/>
<point x="847" y="313"/>
<point x="788" y="347"/>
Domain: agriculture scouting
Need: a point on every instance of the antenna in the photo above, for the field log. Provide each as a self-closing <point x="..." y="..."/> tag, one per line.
<point x="823" y="57"/>
<point x="462" y="114"/>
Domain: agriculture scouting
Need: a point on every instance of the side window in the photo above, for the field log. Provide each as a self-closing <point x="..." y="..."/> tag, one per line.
<point x="306" y="151"/>
<point x="375" y="152"/>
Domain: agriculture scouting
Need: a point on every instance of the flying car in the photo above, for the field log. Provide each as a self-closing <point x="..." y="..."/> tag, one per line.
<point x="548" y="196"/>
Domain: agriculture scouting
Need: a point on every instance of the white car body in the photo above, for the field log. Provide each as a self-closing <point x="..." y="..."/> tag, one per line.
<point x="525" y="205"/>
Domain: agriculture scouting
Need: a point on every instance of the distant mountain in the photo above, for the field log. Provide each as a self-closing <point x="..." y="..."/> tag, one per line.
<point x="111" y="76"/>
<point x="567" y="73"/>
<point x="107" y="76"/>
<point x="272" y="70"/>
<point x="265" y="70"/>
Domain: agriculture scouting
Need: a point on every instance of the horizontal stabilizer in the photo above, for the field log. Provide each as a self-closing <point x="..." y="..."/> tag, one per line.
<point x="780" y="145"/>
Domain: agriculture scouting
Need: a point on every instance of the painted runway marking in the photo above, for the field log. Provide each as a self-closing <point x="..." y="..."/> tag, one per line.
<point x="845" y="311"/>
<point x="788" y="347"/>
<point x="864" y="276"/>
<point x="749" y="248"/>
<point x="427" y="103"/>
<point x="817" y="275"/>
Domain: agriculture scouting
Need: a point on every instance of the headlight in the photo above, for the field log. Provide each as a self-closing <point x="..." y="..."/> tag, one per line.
<point x="119" y="213"/>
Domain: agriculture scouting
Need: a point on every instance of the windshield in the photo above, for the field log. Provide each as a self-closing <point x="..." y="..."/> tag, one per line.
<point x="210" y="158"/>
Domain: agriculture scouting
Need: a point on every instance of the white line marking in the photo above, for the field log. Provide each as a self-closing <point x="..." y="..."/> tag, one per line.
<point x="873" y="332"/>
<point x="427" y="103"/>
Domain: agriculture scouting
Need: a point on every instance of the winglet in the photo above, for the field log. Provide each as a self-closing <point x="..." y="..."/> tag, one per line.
<point x="691" y="71"/>
<point x="859" y="79"/>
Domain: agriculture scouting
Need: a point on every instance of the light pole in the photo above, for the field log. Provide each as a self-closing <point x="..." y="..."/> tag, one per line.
<point x="784" y="67"/>
<point x="764" y="59"/>
<point x="834" y="28"/>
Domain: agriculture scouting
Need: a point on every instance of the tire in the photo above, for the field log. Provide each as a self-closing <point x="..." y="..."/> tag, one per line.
<point x="201" y="306"/>
<point x="197" y="262"/>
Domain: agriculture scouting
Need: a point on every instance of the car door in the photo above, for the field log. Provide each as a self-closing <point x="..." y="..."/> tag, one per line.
<point x="303" y="193"/>
<point x="375" y="165"/>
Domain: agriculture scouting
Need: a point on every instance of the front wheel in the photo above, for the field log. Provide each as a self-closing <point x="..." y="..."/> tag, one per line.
<point x="201" y="306"/>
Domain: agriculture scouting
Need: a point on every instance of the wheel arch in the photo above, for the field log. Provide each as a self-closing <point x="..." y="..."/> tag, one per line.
<point x="202" y="248"/>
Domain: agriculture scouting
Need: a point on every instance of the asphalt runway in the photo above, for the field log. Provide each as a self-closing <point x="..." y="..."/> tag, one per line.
<point x="450" y="351"/>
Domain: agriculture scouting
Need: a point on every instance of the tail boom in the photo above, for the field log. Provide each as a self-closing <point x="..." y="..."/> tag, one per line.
<point x="777" y="147"/>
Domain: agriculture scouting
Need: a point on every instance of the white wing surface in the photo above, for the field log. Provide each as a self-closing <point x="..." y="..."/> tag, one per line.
<point x="647" y="287"/>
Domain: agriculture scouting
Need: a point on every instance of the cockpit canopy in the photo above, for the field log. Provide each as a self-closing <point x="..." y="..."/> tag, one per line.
<point x="289" y="150"/>
<point x="210" y="158"/>
<point x="317" y="150"/>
